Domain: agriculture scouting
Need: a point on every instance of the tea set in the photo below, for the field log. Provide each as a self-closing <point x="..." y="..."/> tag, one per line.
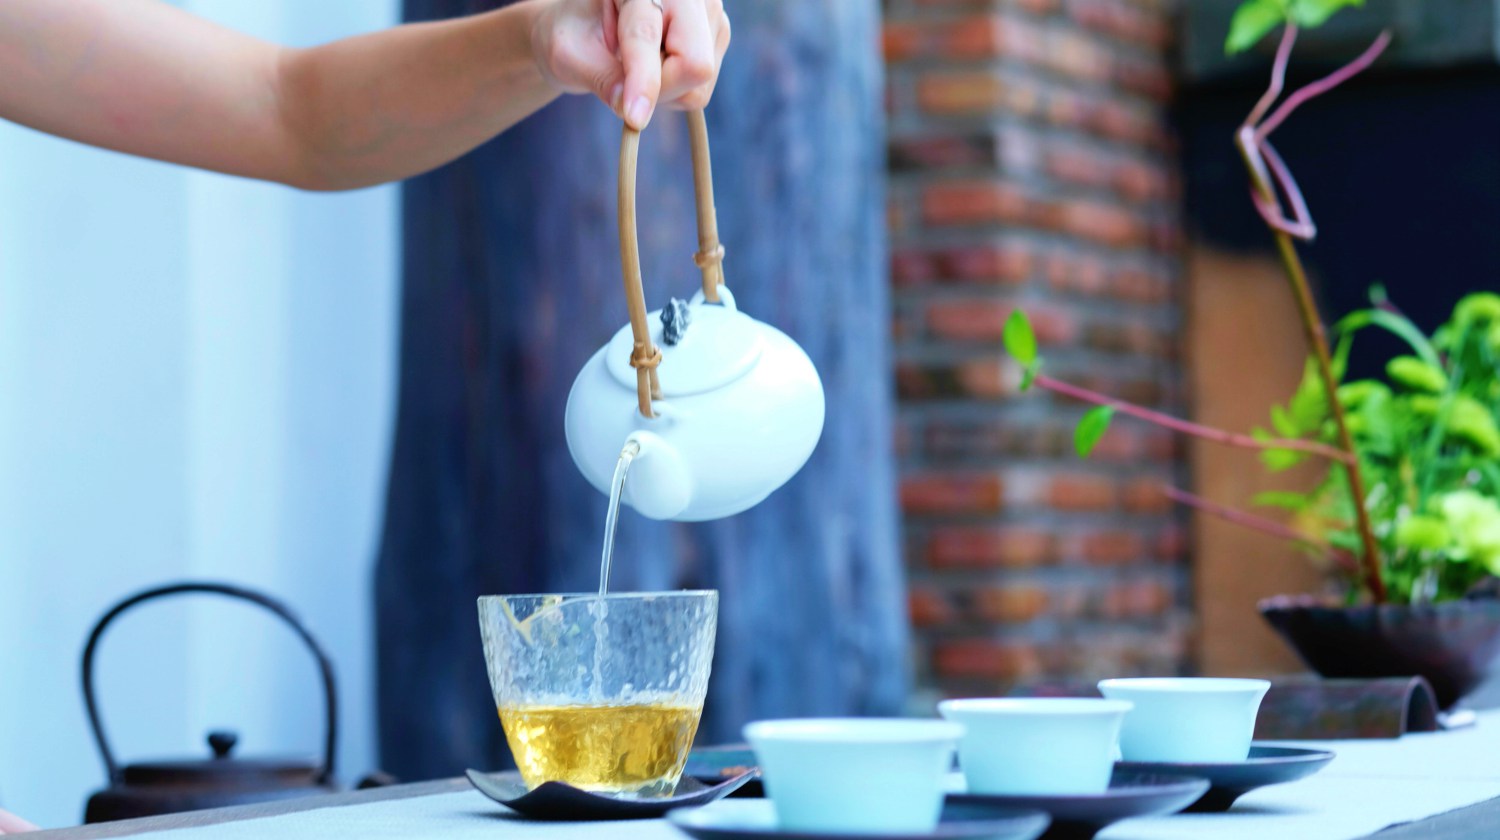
<point x="716" y="410"/>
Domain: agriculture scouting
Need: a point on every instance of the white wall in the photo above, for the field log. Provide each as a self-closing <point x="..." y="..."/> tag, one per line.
<point x="196" y="381"/>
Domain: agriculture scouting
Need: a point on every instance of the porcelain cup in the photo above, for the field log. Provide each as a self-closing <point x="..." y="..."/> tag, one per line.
<point x="855" y="775"/>
<point x="1187" y="719"/>
<point x="1037" y="745"/>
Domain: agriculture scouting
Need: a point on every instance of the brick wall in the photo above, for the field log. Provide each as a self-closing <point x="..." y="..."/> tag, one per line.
<point x="1031" y="165"/>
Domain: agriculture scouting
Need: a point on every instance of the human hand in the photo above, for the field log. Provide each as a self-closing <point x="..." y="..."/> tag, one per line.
<point x="12" y="824"/>
<point x="633" y="54"/>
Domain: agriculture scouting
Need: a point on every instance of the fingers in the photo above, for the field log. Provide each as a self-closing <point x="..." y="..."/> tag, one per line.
<point x="691" y="63"/>
<point x="640" y="29"/>
<point x="12" y="824"/>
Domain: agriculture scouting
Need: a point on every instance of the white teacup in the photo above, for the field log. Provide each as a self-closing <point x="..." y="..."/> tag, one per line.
<point x="855" y="775"/>
<point x="1037" y="745"/>
<point x="1187" y="719"/>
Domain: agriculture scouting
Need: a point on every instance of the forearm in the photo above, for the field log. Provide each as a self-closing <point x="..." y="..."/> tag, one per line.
<point x="394" y="103"/>
<point x="145" y="78"/>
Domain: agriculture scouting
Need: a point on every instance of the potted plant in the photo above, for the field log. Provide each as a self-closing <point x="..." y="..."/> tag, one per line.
<point x="1406" y="515"/>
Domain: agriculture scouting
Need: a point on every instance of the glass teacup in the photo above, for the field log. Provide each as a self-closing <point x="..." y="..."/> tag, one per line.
<point x="603" y="693"/>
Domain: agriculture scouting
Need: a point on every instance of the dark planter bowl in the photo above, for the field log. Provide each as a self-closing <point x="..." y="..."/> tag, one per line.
<point x="1452" y="644"/>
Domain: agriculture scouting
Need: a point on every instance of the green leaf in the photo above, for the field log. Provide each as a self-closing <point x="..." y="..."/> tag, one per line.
<point x="1423" y="533"/>
<point x="1282" y="423"/>
<point x="1028" y="376"/>
<point x="1396" y="325"/>
<point x="1091" y="428"/>
<point x="1277" y="460"/>
<point x="1416" y="374"/>
<point x="1252" y="20"/>
<point x="1311" y="13"/>
<point x="1020" y="341"/>
<point x="1282" y="499"/>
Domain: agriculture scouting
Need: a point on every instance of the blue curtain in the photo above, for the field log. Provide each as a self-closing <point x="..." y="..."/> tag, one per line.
<point x="512" y="281"/>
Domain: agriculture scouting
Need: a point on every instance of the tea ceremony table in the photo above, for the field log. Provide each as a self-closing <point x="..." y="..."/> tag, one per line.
<point x="1434" y="786"/>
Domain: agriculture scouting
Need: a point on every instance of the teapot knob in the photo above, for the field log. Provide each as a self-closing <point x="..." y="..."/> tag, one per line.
<point x="222" y="742"/>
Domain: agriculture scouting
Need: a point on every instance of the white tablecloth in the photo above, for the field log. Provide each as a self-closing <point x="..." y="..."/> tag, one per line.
<point x="1370" y="785"/>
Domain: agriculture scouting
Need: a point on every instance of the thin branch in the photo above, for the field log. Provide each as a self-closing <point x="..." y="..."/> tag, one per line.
<point x="1325" y="84"/>
<point x="1245" y="519"/>
<point x="1187" y="427"/>
<point x="1278" y="75"/>
<point x="1301" y="224"/>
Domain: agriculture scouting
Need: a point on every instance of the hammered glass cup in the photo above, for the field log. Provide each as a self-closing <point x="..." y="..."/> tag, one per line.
<point x="603" y="693"/>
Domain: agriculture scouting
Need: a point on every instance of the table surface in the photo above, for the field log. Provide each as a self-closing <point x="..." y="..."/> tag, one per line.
<point x="1434" y="786"/>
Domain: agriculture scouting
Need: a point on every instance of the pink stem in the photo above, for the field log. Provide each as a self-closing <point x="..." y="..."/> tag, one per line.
<point x="1325" y="84"/>
<point x="1278" y="75"/>
<point x="1187" y="427"/>
<point x="1302" y="227"/>
<point x="1258" y="523"/>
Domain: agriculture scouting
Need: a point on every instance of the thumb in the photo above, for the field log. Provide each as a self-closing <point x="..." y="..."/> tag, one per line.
<point x="640" y="32"/>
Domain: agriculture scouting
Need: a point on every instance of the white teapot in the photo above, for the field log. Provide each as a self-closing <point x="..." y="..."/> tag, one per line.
<point x="722" y="415"/>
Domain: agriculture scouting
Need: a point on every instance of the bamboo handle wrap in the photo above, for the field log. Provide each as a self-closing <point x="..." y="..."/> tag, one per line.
<point x="710" y="256"/>
<point x="645" y="356"/>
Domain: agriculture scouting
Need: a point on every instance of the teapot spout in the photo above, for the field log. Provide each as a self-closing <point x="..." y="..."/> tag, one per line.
<point x="660" y="485"/>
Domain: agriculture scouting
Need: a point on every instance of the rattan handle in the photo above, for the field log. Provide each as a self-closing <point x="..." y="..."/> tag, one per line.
<point x="644" y="355"/>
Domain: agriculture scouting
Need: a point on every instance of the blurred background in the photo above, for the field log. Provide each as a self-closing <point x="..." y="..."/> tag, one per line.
<point x="354" y="402"/>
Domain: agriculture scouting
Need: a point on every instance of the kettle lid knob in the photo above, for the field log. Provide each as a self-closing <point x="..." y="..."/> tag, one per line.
<point x="222" y="742"/>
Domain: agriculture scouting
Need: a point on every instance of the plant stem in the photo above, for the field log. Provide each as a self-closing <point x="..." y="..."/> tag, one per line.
<point x="1317" y="339"/>
<point x="1187" y="427"/>
<point x="1249" y="520"/>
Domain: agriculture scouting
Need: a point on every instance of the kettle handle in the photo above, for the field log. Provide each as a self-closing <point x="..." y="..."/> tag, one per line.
<point x="709" y="258"/>
<point x="325" y="773"/>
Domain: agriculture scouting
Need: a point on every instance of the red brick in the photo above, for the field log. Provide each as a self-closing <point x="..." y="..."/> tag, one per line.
<point x="983" y="319"/>
<point x="1171" y="544"/>
<point x="1139" y="181"/>
<point x="986" y="659"/>
<point x="1081" y="492"/>
<point x="929" y="607"/>
<point x="974" y="36"/>
<point x="982" y="378"/>
<point x="1104" y="548"/>
<point x="1080" y="166"/>
<point x="1145" y="496"/>
<point x="1123" y="21"/>
<point x="973" y="202"/>
<point x="1074" y="55"/>
<point x="952" y="493"/>
<point x="959" y="548"/>
<point x="1011" y="604"/>
<point x="1147" y="78"/>
<point x="986" y="263"/>
<point x="962" y="93"/>
<point x="1135" y="599"/>
<point x="912" y="267"/>
<point x="1129" y="338"/>
<point x="1078" y="273"/>
<point x="1101" y="223"/>
<point x="1039" y="7"/>
<point x="939" y="152"/>
<point x="1140" y="285"/>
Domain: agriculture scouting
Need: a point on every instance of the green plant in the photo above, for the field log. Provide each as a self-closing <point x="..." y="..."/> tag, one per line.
<point x="1407" y="508"/>
<point x="1428" y="442"/>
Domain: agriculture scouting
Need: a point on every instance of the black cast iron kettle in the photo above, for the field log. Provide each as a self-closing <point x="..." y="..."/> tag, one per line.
<point x="168" y="787"/>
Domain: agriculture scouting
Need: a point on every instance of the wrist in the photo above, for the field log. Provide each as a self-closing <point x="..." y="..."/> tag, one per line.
<point x="538" y="23"/>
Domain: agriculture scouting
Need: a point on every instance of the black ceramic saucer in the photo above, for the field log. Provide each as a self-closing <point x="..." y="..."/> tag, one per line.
<point x="1231" y="780"/>
<point x="561" y="801"/>
<point x="1080" y="817"/>
<point x="755" y="819"/>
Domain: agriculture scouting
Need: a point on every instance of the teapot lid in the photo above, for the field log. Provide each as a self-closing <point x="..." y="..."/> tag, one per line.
<point x="719" y="346"/>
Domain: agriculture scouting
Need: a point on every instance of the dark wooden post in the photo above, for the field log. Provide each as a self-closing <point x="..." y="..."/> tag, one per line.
<point x="512" y="280"/>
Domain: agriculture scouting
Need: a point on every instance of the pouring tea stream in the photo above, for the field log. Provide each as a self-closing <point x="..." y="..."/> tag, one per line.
<point x="723" y="416"/>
